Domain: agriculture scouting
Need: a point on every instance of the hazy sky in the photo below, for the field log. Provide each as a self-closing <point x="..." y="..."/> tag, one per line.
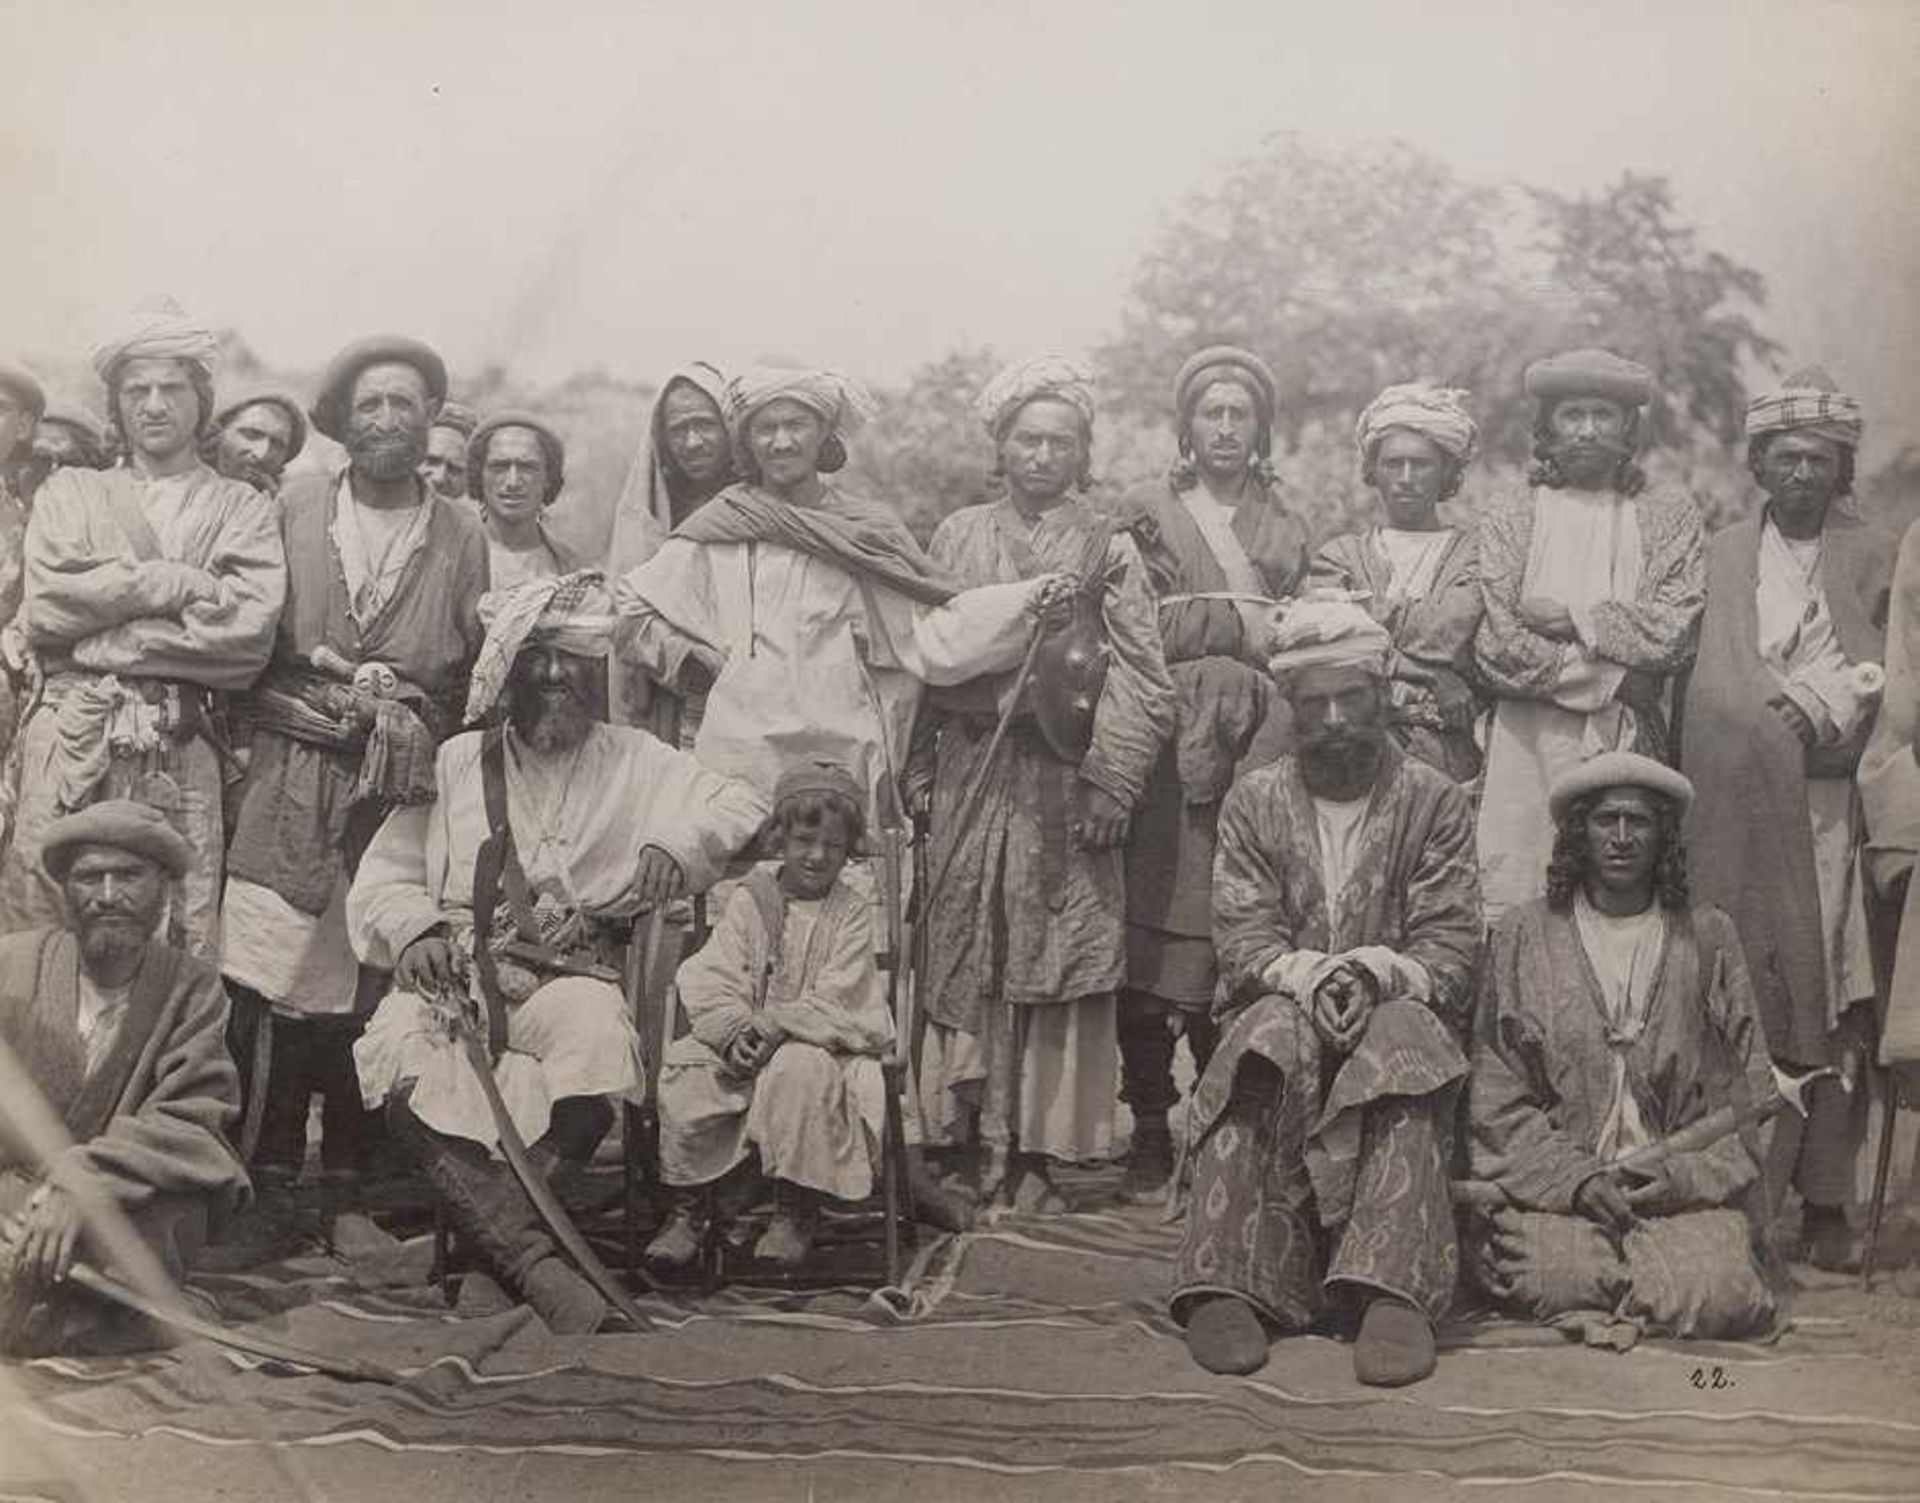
<point x="561" y="183"/>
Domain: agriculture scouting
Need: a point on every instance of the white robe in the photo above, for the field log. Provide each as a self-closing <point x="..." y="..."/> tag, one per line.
<point x="580" y="820"/>
<point x="789" y="633"/>
<point x="1585" y="549"/>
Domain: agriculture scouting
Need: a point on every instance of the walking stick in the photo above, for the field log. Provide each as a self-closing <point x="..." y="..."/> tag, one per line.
<point x="1882" y="1164"/>
<point x="970" y="799"/>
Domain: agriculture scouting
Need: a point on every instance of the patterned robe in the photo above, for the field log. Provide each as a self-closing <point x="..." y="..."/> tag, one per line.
<point x="1227" y="716"/>
<point x="130" y="659"/>
<point x="1543" y="1067"/>
<point x="1028" y="918"/>
<point x="1433" y="631"/>
<point x="1556" y="702"/>
<point x="1308" y="1170"/>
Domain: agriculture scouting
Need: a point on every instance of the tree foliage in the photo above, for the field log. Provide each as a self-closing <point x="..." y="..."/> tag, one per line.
<point x="1352" y="268"/>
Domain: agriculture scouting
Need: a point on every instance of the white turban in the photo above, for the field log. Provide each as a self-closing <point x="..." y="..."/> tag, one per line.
<point x="158" y="329"/>
<point x="1436" y="413"/>
<point x="842" y="402"/>
<point x="1059" y="378"/>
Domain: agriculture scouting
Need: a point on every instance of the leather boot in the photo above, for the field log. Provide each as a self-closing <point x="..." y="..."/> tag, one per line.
<point x="789" y="1233"/>
<point x="676" y="1246"/>
<point x="566" y="1302"/>
<point x="1149" y="1161"/>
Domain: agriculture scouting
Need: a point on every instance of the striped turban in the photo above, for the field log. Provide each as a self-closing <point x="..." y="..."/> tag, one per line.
<point x="1326" y="628"/>
<point x="573" y="612"/>
<point x="1058" y="378"/>
<point x="158" y="329"/>
<point x="1436" y="413"/>
<point x="1809" y="401"/>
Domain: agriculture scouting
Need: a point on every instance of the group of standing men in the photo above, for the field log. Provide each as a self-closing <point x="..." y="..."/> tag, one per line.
<point x="1178" y="773"/>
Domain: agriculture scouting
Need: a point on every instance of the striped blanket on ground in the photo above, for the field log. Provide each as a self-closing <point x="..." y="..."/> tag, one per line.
<point x="1034" y="1359"/>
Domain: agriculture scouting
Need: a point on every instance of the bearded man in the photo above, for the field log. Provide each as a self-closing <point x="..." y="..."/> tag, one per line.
<point x="1219" y="545"/>
<point x="603" y="822"/>
<point x="369" y="672"/>
<point x="1421" y="578"/>
<point x="125" y="1036"/>
<point x="808" y="616"/>
<point x="151" y="591"/>
<point x="255" y="437"/>
<point x="516" y="467"/>
<point x="1025" y="939"/>
<point x="1779" y="708"/>
<point x="1347" y="919"/>
<point x="445" y="467"/>
<point x="1613" y="1013"/>
<point x="1593" y="586"/>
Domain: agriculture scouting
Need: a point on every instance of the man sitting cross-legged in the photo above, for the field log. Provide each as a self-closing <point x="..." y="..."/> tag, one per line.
<point x="1613" y="1015"/>
<point x="603" y="821"/>
<point x="126" y="1038"/>
<point x="788" y="1013"/>
<point x="1346" y="913"/>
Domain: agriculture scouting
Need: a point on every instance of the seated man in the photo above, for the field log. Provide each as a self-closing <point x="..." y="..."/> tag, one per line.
<point x="1346" y="913"/>
<point x="1612" y="1015"/>
<point x="127" y="1039"/>
<point x="599" y="822"/>
<point x="788" y="1013"/>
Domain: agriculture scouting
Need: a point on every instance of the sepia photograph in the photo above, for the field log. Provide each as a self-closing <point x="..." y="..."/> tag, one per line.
<point x="1086" y="752"/>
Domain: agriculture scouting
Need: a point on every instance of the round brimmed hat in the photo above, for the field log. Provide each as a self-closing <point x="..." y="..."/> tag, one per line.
<point x="336" y="386"/>
<point x="1618" y="769"/>
<point x="1589" y="373"/>
<point x="25" y="387"/>
<point x="271" y="397"/>
<point x="122" y="823"/>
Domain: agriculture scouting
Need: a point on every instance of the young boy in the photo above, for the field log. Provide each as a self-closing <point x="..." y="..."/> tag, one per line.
<point x="788" y="1015"/>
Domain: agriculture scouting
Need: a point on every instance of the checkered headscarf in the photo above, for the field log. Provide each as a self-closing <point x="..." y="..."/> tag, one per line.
<point x="1808" y="401"/>
<point x="574" y="612"/>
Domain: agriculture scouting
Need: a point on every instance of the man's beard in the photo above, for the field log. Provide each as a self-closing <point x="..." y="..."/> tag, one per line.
<point x="1340" y="762"/>
<point x="1598" y="460"/>
<point x="550" y="723"/>
<point x="107" y="937"/>
<point x="384" y="457"/>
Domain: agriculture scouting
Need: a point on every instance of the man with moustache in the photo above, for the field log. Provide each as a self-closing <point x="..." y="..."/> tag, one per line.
<point x="603" y="822"/>
<point x="1347" y="916"/>
<point x="1219" y="545"/>
<point x="125" y="1037"/>
<point x="1613" y="1013"/>
<point x="516" y="466"/>
<point x="1593" y="585"/>
<point x="445" y="467"/>
<point x="368" y="674"/>
<point x="685" y="459"/>
<point x="1780" y="706"/>
<point x="151" y="590"/>
<point x="255" y="437"/>
<point x="809" y="616"/>
<point x="1025" y="938"/>
<point x="1420" y="577"/>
